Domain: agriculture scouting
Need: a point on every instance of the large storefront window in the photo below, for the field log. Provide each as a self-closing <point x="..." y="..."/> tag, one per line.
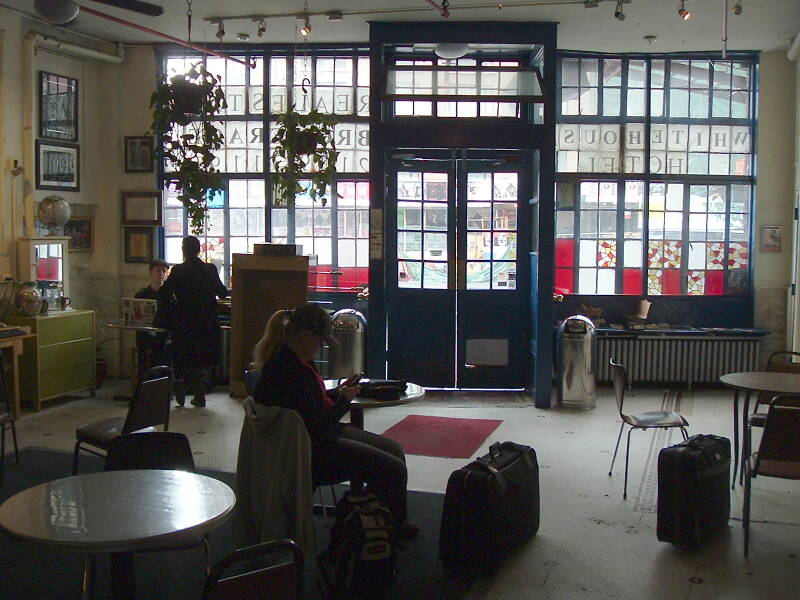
<point x="241" y="215"/>
<point x="655" y="164"/>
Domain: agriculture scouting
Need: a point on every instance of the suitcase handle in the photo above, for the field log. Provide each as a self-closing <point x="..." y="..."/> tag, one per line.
<point x="495" y="450"/>
<point x="501" y="481"/>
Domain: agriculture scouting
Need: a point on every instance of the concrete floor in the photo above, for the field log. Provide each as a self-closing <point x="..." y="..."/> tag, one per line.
<point x="591" y="543"/>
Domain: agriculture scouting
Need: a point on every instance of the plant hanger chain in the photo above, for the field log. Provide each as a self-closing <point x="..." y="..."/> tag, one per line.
<point x="188" y="20"/>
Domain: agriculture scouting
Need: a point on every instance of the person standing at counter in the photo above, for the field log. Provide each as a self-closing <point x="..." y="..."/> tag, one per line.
<point x="341" y="452"/>
<point x="151" y="347"/>
<point x="189" y="301"/>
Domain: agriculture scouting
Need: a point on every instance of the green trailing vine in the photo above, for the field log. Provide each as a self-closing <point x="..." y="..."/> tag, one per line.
<point x="304" y="156"/>
<point x="184" y="111"/>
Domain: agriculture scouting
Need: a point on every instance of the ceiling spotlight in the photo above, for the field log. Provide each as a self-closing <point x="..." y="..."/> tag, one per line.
<point x="737" y="8"/>
<point x="451" y="51"/>
<point x="243" y="37"/>
<point x="682" y="12"/>
<point x="262" y="26"/>
<point x="618" y="14"/>
<point x="220" y="30"/>
<point x="589" y="3"/>
<point x="335" y="15"/>
<point x="306" y="29"/>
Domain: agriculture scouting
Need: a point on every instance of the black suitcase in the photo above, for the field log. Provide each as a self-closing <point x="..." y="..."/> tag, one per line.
<point x="491" y="505"/>
<point x="693" y="496"/>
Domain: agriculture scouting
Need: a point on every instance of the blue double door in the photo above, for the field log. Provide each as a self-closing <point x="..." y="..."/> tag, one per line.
<point x="458" y="232"/>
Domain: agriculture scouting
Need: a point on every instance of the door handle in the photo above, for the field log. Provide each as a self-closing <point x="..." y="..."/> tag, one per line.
<point x="470" y="366"/>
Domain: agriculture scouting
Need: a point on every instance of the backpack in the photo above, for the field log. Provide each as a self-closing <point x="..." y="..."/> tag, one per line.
<point x="361" y="559"/>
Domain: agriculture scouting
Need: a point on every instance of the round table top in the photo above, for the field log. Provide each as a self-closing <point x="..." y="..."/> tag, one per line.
<point x="119" y="511"/>
<point x="413" y="393"/>
<point x="764" y="381"/>
<point x="132" y="327"/>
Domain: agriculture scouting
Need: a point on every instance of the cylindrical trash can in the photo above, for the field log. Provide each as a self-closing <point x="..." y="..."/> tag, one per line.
<point x="350" y="330"/>
<point x="576" y="372"/>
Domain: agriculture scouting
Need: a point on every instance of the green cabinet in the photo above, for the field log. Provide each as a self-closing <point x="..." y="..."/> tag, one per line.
<point x="60" y="359"/>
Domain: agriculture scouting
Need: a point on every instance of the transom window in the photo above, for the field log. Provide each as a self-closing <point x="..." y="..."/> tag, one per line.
<point x="655" y="182"/>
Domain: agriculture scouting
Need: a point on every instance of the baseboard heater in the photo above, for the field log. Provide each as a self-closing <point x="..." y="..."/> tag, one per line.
<point x="680" y="359"/>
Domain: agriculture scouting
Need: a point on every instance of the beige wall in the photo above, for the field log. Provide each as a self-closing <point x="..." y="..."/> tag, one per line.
<point x="113" y="103"/>
<point x="774" y="193"/>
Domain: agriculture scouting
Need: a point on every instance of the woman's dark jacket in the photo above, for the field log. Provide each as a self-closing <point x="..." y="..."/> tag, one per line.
<point x="188" y="308"/>
<point x="285" y="381"/>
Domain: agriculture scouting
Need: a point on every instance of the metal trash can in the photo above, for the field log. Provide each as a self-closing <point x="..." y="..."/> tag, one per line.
<point x="350" y="330"/>
<point x="576" y="357"/>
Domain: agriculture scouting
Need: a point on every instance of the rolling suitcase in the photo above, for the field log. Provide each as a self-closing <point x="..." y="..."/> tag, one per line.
<point x="693" y="495"/>
<point x="491" y="505"/>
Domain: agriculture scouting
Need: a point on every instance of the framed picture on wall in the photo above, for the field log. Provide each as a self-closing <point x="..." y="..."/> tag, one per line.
<point x="771" y="238"/>
<point x="58" y="107"/>
<point x="80" y="231"/>
<point x="139" y="244"/>
<point x="57" y="166"/>
<point x="139" y="154"/>
<point x="141" y="208"/>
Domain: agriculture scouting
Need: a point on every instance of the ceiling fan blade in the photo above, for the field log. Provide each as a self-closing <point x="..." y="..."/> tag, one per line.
<point x="135" y="5"/>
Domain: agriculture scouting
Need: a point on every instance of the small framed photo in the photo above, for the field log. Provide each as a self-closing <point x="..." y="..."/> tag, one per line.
<point x="57" y="166"/>
<point x="139" y="154"/>
<point x="139" y="244"/>
<point x="141" y="208"/>
<point x="771" y="238"/>
<point x="80" y="231"/>
<point x="58" y="107"/>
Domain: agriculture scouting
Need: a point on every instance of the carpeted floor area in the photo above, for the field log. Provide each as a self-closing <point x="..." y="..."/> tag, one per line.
<point x="591" y="544"/>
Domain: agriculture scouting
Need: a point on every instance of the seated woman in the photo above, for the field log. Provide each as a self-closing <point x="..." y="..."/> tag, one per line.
<point x="339" y="451"/>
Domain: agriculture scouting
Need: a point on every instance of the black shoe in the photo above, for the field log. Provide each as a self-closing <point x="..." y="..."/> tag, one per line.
<point x="201" y="402"/>
<point x="180" y="394"/>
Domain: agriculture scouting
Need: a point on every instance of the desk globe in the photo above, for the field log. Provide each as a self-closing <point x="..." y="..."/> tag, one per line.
<point x="53" y="212"/>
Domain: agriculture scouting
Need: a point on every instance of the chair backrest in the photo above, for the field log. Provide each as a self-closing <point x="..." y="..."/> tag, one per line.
<point x="149" y="406"/>
<point x="780" y="362"/>
<point x="281" y="581"/>
<point x="251" y="379"/>
<point x="780" y="441"/>
<point x="150" y="450"/>
<point x="618" y="378"/>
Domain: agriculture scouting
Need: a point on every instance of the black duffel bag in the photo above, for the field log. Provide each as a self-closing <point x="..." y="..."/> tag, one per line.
<point x="382" y="389"/>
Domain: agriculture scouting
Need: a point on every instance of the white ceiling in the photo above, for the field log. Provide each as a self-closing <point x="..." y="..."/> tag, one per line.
<point x="763" y="24"/>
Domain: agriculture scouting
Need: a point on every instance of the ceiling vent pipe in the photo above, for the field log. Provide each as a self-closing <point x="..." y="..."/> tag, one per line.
<point x="43" y="41"/>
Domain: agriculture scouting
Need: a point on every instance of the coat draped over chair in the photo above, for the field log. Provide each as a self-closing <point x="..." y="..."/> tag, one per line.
<point x="273" y="478"/>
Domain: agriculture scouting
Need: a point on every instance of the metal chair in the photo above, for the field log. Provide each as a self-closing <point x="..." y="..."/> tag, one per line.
<point x="148" y="409"/>
<point x="778" y="362"/>
<point x="282" y="581"/>
<point x="7" y="421"/>
<point x="645" y="420"/>
<point x="150" y="450"/>
<point x="778" y="453"/>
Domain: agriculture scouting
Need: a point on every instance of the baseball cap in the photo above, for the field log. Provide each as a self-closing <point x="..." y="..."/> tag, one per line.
<point x="315" y="319"/>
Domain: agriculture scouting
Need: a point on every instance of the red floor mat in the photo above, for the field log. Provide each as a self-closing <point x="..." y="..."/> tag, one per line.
<point x="444" y="437"/>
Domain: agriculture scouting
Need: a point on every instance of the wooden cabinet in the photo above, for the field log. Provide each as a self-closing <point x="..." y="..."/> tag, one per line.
<point x="261" y="285"/>
<point x="59" y="360"/>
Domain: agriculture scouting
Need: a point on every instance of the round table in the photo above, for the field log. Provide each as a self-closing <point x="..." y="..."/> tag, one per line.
<point x="118" y="513"/>
<point x="755" y="381"/>
<point x="413" y="393"/>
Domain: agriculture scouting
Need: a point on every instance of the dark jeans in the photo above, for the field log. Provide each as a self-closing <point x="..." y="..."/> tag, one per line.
<point x="364" y="456"/>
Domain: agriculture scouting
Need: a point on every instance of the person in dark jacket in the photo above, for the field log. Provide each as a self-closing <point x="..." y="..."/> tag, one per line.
<point x="339" y="451"/>
<point x="151" y="347"/>
<point x="188" y="300"/>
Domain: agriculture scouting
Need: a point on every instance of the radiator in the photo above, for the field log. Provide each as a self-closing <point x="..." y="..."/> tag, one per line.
<point x="677" y="359"/>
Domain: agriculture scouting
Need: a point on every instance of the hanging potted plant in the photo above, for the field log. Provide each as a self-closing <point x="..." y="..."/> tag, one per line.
<point x="184" y="111"/>
<point x="304" y="156"/>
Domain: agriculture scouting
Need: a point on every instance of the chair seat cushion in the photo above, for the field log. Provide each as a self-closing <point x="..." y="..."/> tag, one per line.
<point x="657" y="418"/>
<point x="779" y="468"/>
<point x="100" y="433"/>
